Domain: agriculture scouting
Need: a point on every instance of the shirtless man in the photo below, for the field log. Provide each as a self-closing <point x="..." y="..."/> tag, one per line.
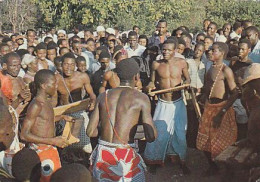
<point x="113" y="110"/>
<point x="71" y="84"/>
<point x="217" y="128"/>
<point x="38" y="127"/>
<point x="238" y="66"/>
<point x="13" y="86"/>
<point x="170" y="115"/>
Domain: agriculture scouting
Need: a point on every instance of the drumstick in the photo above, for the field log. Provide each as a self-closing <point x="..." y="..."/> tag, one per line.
<point x="168" y="90"/>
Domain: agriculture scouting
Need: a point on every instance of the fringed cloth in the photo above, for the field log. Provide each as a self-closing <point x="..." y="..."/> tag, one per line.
<point x="215" y="140"/>
<point x="117" y="162"/>
<point x="50" y="160"/>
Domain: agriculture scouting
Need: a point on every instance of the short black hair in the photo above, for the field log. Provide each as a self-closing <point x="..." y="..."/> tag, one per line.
<point x="104" y="54"/>
<point x="206" y="20"/>
<point x="208" y="37"/>
<point x="252" y="29"/>
<point x="200" y="44"/>
<point x="162" y="21"/>
<point x="223" y="47"/>
<point x="51" y="45"/>
<point x="172" y="41"/>
<point x="201" y="34"/>
<point x="6" y="39"/>
<point x="132" y="33"/>
<point x="237" y="25"/>
<point x="26" y="165"/>
<point x="42" y="76"/>
<point x="30" y="30"/>
<point x="46" y="39"/>
<point x="181" y="41"/>
<point x="41" y="46"/>
<point x="71" y="173"/>
<point x="68" y="55"/>
<point x="245" y="41"/>
<point x="59" y="42"/>
<point x="80" y="59"/>
<point x="90" y="40"/>
<point x="57" y="60"/>
<point x="62" y="49"/>
<point x="186" y="34"/>
<point x="135" y="26"/>
<point x="213" y="23"/>
<point x="127" y="69"/>
<point x="3" y="45"/>
<point x="22" y="52"/>
<point x="9" y="55"/>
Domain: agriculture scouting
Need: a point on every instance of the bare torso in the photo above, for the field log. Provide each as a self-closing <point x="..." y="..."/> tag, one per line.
<point x="169" y="75"/>
<point x="44" y="123"/>
<point x="124" y="106"/>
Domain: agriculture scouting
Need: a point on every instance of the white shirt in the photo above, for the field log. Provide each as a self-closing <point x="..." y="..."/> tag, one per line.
<point x="138" y="52"/>
<point x="234" y="35"/>
<point x="254" y="55"/>
<point x="196" y="72"/>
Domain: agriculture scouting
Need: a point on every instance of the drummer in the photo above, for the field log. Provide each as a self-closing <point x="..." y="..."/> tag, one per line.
<point x="171" y="128"/>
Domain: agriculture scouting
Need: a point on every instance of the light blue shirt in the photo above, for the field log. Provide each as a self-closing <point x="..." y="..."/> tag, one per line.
<point x="254" y="55"/>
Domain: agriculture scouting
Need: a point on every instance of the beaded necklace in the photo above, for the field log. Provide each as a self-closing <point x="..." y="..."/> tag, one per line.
<point x="215" y="81"/>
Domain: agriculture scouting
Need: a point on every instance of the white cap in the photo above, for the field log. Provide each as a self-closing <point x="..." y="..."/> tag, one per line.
<point x="111" y="31"/>
<point x="81" y="34"/>
<point x="222" y="38"/>
<point x="61" y="31"/>
<point x="27" y="59"/>
<point x="100" y="29"/>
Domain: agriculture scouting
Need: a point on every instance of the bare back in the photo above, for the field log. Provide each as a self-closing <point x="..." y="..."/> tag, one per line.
<point x="125" y="106"/>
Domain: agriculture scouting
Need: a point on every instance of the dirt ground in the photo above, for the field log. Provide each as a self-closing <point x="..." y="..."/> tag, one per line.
<point x="197" y="163"/>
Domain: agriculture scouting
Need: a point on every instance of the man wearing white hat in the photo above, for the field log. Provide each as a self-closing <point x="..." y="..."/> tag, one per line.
<point x="101" y="32"/>
<point x="61" y="34"/>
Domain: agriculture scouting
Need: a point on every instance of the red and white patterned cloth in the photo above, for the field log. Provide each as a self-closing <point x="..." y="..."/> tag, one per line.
<point x="117" y="162"/>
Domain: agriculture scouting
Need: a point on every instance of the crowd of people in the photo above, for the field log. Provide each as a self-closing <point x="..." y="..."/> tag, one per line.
<point x="176" y="89"/>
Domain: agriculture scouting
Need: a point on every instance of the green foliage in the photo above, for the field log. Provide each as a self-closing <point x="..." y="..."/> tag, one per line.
<point x="144" y="13"/>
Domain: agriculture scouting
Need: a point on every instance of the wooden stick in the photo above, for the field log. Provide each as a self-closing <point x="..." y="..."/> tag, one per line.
<point x="168" y="90"/>
<point x="73" y="107"/>
<point x="195" y="104"/>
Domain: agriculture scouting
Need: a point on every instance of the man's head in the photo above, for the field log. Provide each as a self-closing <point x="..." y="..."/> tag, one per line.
<point x="252" y="34"/>
<point x="47" y="40"/>
<point x="244" y="48"/>
<point x="200" y="37"/>
<point x="119" y="54"/>
<point x="76" y="47"/>
<point x="88" y="34"/>
<point x="30" y="35"/>
<point x="57" y="63"/>
<point x="41" y="51"/>
<point x="4" y="49"/>
<point x="181" y="45"/>
<point x="227" y="28"/>
<point x="63" y="43"/>
<point x="91" y="45"/>
<point x="51" y="50"/>
<point x="237" y="27"/>
<point x="199" y="50"/>
<point x="111" y="41"/>
<point x="99" y="50"/>
<point x="162" y="27"/>
<point x="6" y="127"/>
<point x="212" y="29"/>
<point x="45" y="81"/>
<point x="206" y="23"/>
<point x="104" y="59"/>
<point x="71" y="173"/>
<point x="11" y="64"/>
<point x="219" y="51"/>
<point x="143" y="40"/>
<point x="247" y="23"/>
<point x="26" y="165"/>
<point x="63" y="51"/>
<point x="61" y="34"/>
<point x="168" y="49"/>
<point x="81" y="64"/>
<point x="68" y="64"/>
<point x="208" y="41"/>
<point x="132" y="39"/>
<point x="187" y="38"/>
<point x="127" y="70"/>
<point x="136" y="29"/>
